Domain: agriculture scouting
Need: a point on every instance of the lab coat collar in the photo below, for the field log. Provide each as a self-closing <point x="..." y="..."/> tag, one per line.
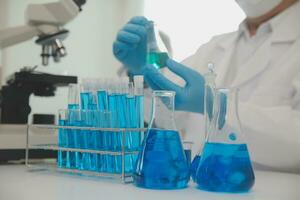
<point x="286" y="25"/>
<point x="285" y="28"/>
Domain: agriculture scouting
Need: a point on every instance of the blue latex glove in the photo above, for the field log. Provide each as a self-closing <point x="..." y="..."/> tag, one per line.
<point x="130" y="46"/>
<point x="187" y="98"/>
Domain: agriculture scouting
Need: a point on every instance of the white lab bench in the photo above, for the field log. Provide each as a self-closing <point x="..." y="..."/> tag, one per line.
<point x="17" y="183"/>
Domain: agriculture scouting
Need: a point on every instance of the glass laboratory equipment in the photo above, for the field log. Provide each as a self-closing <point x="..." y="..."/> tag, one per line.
<point x="62" y="156"/>
<point x="209" y="96"/>
<point x="187" y="147"/>
<point x="162" y="162"/>
<point x="225" y="164"/>
<point x="157" y="53"/>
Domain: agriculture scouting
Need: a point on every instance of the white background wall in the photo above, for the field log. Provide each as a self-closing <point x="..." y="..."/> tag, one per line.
<point x="190" y="23"/>
<point x="89" y="45"/>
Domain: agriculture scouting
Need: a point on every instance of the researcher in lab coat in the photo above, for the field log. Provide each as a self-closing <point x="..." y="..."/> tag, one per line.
<point x="262" y="58"/>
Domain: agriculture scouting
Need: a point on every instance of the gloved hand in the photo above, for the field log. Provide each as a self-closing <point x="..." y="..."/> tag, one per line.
<point x="130" y="46"/>
<point x="187" y="98"/>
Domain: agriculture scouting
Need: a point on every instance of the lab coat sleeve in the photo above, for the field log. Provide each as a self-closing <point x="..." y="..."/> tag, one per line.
<point x="273" y="132"/>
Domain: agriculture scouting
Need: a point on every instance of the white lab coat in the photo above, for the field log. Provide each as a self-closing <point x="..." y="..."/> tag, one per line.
<point x="269" y="105"/>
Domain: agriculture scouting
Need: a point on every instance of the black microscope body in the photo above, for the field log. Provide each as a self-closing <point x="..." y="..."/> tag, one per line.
<point x="14" y="97"/>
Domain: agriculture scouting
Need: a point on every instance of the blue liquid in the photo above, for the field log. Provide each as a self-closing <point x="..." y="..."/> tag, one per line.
<point x="194" y="167"/>
<point x="62" y="142"/>
<point x="102" y="136"/>
<point x="131" y="121"/>
<point x="113" y="138"/>
<point x="225" y="168"/>
<point x="88" y="102"/>
<point x="133" y="138"/>
<point x="72" y="157"/>
<point x="188" y="155"/>
<point x="73" y="106"/>
<point x="121" y="123"/>
<point x="73" y="120"/>
<point x="162" y="163"/>
<point x="102" y="100"/>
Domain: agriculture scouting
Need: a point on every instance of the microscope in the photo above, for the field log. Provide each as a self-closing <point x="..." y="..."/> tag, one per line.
<point x="46" y="22"/>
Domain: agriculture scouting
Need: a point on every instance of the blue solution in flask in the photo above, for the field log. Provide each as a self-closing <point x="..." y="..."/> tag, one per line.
<point x="188" y="155"/>
<point x="194" y="166"/>
<point x="225" y="168"/>
<point x="164" y="163"/>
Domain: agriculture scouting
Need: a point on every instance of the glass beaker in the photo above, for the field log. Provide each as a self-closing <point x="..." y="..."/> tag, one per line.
<point x="157" y="53"/>
<point x="162" y="162"/>
<point x="225" y="164"/>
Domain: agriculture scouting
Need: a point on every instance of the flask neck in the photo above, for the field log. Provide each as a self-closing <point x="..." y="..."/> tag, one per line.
<point x="225" y="126"/>
<point x="163" y="110"/>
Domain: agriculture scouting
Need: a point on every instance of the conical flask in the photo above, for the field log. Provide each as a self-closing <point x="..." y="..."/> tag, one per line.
<point x="162" y="162"/>
<point x="157" y="53"/>
<point x="210" y="88"/>
<point x="225" y="164"/>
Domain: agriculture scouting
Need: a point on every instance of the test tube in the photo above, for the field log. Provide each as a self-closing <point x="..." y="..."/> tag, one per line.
<point x="139" y="100"/>
<point x="73" y="97"/>
<point x="62" y="138"/>
<point x="73" y="140"/>
<point x="131" y="136"/>
<point x="102" y="122"/>
<point x="86" y="99"/>
<point x="101" y="137"/>
<point x="74" y="119"/>
<point x="112" y="136"/>
<point x="122" y="87"/>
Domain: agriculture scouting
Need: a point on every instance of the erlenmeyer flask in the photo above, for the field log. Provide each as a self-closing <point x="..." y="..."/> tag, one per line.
<point x="210" y="88"/>
<point x="157" y="53"/>
<point x="225" y="164"/>
<point x="162" y="162"/>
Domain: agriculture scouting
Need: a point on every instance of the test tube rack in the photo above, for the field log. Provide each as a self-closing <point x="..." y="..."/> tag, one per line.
<point x="44" y="137"/>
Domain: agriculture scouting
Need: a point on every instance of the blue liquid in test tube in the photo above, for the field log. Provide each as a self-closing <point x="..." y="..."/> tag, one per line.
<point x="62" y="141"/>
<point x="86" y="99"/>
<point x="131" y="136"/>
<point x="112" y="107"/>
<point x="102" y="137"/>
<point x="73" y="120"/>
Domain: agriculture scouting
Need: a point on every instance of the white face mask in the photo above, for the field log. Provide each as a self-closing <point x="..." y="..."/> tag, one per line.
<point x="257" y="8"/>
